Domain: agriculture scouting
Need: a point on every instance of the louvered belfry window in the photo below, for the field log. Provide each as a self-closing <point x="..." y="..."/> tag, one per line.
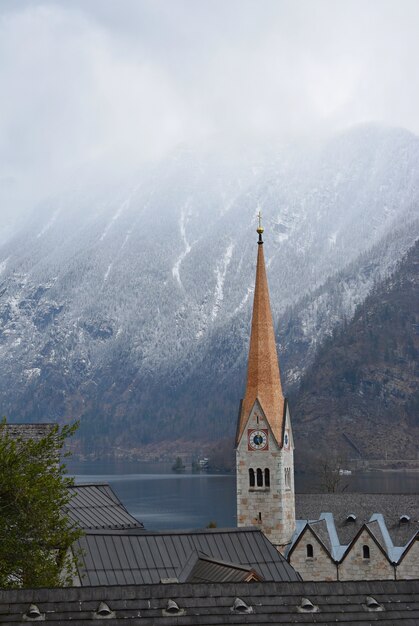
<point x="251" y="477"/>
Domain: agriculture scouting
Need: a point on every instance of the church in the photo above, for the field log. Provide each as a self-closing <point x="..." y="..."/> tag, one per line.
<point x="328" y="536"/>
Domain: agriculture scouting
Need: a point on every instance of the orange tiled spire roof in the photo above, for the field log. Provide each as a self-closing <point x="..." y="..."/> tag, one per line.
<point x="263" y="378"/>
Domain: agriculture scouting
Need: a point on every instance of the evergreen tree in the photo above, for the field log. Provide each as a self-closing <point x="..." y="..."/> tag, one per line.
<point x="35" y="532"/>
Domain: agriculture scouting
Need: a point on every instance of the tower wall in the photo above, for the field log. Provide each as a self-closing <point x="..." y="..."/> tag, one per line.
<point x="270" y="507"/>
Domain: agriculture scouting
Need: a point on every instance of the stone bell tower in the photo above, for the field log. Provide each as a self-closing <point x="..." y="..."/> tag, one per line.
<point x="264" y="441"/>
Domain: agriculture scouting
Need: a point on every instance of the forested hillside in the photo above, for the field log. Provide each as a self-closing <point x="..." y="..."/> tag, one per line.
<point x="364" y="382"/>
<point x="127" y="304"/>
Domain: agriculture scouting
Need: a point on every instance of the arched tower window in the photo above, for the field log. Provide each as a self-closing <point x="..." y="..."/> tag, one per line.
<point x="267" y="478"/>
<point x="251" y="477"/>
<point x="287" y="476"/>
<point x="309" y="549"/>
<point x="259" y="477"/>
<point x="365" y="552"/>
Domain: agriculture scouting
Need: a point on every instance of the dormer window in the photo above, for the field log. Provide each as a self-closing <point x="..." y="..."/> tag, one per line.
<point x="404" y="519"/>
<point x="104" y="612"/>
<point x="307" y="606"/>
<point x="351" y="519"/>
<point x="33" y="614"/>
<point x="240" y="606"/>
<point x="172" y="608"/>
<point x="371" y="604"/>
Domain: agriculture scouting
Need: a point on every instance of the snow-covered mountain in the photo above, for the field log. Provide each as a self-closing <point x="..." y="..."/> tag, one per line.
<point x="128" y="304"/>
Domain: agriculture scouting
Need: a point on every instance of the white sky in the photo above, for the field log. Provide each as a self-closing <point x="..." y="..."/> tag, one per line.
<point x="125" y="81"/>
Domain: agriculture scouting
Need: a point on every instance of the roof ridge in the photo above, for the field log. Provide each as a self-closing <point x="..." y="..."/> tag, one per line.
<point x="184" y="531"/>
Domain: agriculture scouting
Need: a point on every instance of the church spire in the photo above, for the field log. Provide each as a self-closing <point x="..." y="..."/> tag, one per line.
<point x="263" y="378"/>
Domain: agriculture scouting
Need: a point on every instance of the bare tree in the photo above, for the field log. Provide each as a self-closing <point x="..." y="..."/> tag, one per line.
<point x="331" y="480"/>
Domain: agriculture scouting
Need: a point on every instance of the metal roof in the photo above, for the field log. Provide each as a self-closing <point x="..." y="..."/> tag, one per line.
<point x="117" y="558"/>
<point x="201" y="568"/>
<point x="310" y="506"/>
<point x="358" y="603"/>
<point x="321" y="530"/>
<point x="97" y="507"/>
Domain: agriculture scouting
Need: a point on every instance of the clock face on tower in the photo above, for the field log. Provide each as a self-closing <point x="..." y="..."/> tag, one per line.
<point x="257" y="439"/>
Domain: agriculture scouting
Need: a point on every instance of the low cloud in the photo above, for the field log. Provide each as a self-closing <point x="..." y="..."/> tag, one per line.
<point x="127" y="82"/>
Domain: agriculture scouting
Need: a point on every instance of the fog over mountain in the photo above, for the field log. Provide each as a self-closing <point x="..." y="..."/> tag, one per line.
<point x="129" y="305"/>
<point x="125" y="84"/>
<point x="138" y="141"/>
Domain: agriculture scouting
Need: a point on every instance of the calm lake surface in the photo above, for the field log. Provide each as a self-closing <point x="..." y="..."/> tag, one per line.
<point x="162" y="499"/>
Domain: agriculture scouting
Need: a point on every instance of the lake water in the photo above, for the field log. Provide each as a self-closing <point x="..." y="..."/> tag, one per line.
<point x="162" y="499"/>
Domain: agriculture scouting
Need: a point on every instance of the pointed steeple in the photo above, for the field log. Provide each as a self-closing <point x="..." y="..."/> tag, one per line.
<point x="263" y="378"/>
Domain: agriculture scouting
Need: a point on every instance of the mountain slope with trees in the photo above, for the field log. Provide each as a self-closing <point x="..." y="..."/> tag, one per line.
<point x="364" y="381"/>
<point x="127" y="305"/>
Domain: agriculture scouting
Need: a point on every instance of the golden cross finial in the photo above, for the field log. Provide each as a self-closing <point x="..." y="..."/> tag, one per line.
<point x="260" y="228"/>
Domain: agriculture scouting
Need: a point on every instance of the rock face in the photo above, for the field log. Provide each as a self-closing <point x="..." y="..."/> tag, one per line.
<point x="363" y="384"/>
<point x="129" y="305"/>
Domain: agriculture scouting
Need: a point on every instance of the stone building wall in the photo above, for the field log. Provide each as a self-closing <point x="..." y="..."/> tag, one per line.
<point x="356" y="567"/>
<point x="272" y="508"/>
<point x="318" y="567"/>
<point x="28" y="431"/>
<point x="409" y="566"/>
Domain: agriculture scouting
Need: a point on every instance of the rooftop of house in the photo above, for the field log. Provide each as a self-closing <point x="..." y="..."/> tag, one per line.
<point x="335" y="518"/>
<point x="201" y="568"/>
<point x="185" y="604"/>
<point x="96" y="506"/>
<point x="338" y="518"/>
<point x="139" y="557"/>
<point x="350" y="511"/>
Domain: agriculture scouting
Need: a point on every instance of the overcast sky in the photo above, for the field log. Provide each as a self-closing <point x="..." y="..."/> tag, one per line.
<point x="126" y="81"/>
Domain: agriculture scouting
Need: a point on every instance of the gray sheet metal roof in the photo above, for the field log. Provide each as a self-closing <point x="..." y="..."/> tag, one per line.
<point x="375" y="529"/>
<point x="212" y="604"/>
<point x="98" y="507"/>
<point x="145" y="557"/>
<point x="364" y="506"/>
<point x="201" y="568"/>
<point x="320" y="529"/>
